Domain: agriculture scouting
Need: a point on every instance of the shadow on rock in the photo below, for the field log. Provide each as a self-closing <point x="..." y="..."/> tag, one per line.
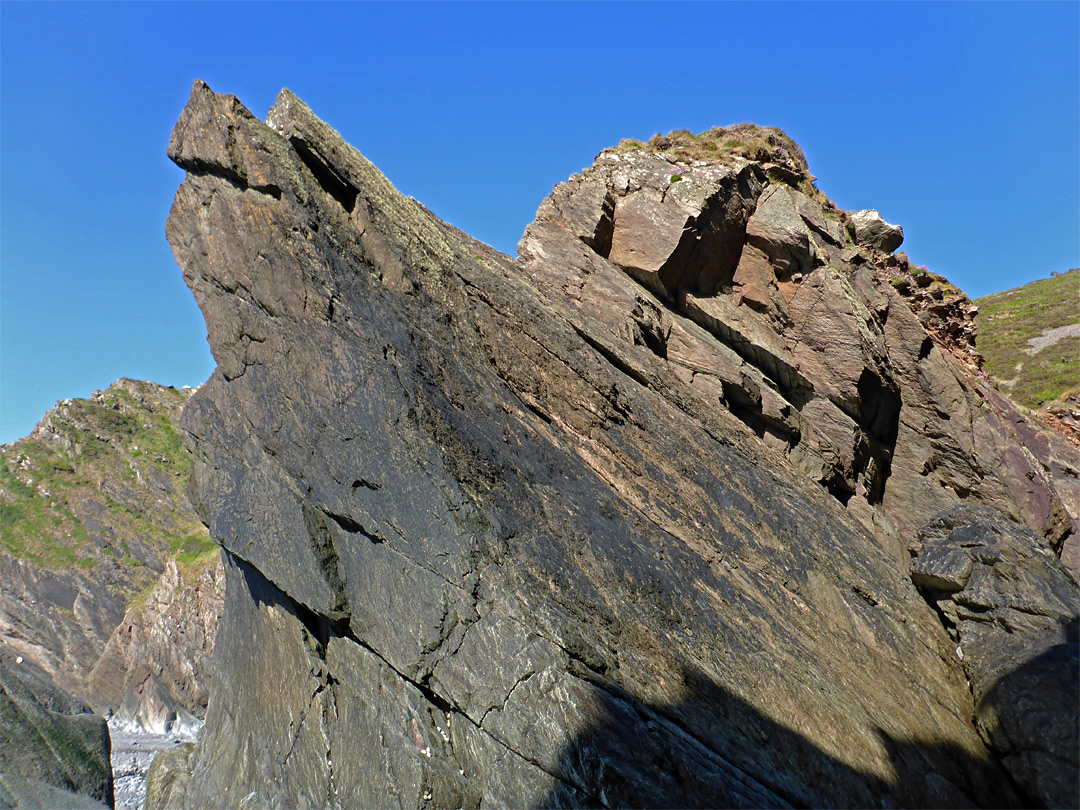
<point x="1031" y="718"/>
<point x="643" y="756"/>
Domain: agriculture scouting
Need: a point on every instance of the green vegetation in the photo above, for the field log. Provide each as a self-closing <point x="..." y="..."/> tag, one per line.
<point x="36" y="528"/>
<point x="1009" y="320"/>
<point x="192" y="548"/>
<point x="719" y="144"/>
<point x="114" y="462"/>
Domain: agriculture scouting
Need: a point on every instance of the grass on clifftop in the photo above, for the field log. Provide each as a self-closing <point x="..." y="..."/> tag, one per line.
<point x="1008" y="321"/>
<point x="749" y="141"/>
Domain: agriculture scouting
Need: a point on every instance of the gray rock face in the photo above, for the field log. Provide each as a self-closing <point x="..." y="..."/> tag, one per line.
<point x="54" y="752"/>
<point x="540" y="533"/>
<point x="871" y="230"/>
<point x="1015" y="612"/>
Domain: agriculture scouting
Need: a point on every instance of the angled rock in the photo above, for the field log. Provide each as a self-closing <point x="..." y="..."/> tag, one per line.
<point x="540" y="532"/>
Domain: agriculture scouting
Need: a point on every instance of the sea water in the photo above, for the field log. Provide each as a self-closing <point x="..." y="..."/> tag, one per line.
<point x="133" y="749"/>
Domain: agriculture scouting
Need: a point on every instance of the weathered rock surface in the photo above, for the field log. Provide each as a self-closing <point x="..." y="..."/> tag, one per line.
<point x="623" y="522"/>
<point x="942" y="308"/>
<point x="834" y="354"/>
<point x="1015" y="613"/>
<point x="54" y="751"/>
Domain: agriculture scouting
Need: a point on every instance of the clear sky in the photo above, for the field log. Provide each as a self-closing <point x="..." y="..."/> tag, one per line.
<point x="958" y="121"/>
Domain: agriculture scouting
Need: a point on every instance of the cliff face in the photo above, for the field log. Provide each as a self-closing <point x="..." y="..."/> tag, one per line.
<point x="155" y="669"/>
<point x="625" y="521"/>
<point x="95" y="516"/>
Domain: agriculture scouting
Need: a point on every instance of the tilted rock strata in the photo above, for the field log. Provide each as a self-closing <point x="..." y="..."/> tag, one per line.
<point x="154" y="672"/>
<point x="54" y="752"/>
<point x="1015" y="613"/>
<point x="762" y="305"/>
<point x="514" y="533"/>
<point x="942" y="308"/>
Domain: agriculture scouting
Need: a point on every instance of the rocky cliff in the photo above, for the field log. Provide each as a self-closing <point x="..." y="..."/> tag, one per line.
<point x="96" y="521"/>
<point x="154" y="672"/>
<point x="626" y="521"/>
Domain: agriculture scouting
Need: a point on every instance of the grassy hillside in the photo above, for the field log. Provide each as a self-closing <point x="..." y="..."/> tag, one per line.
<point x="100" y="482"/>
<point x="1034" y="363"/>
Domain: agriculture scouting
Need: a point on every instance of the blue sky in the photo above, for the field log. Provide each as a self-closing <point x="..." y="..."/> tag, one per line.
<point x="958" y="121"/>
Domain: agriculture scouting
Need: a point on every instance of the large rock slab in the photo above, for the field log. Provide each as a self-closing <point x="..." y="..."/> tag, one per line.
<point x="540" y="532"/>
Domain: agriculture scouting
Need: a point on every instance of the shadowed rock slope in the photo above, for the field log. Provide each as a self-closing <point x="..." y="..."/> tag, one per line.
<point x="623" y="522"/>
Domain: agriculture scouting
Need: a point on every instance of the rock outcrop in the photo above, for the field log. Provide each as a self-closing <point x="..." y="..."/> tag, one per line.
<point x="841" y="356"/>
<point x="623" y="522"/>
<point x="55" y="751"/>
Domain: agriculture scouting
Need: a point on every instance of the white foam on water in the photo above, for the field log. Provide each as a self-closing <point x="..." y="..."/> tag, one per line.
<point x="134" y="748"/>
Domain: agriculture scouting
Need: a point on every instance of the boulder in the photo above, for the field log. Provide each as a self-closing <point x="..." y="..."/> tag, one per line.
<point x="1014" y="611"/>
<point x="869" y="229"/>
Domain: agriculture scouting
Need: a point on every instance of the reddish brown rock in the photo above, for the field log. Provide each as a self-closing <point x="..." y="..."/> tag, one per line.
<point x="908" y="429"/>
<point x="154" y="672"/>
